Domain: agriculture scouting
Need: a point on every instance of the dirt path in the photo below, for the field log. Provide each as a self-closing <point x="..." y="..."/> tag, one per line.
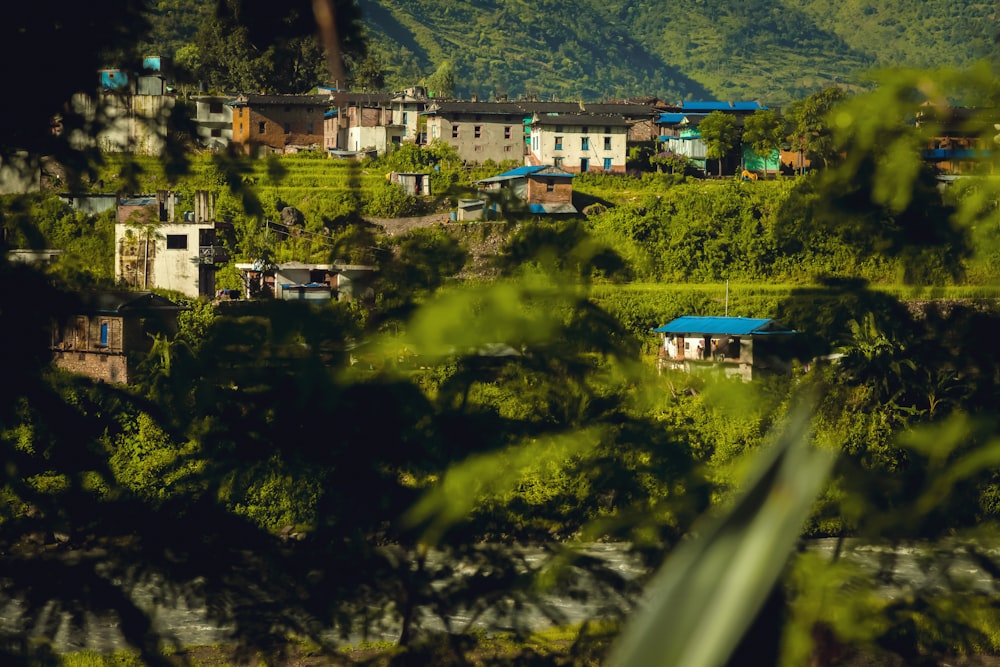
<point x="396" y="226"/>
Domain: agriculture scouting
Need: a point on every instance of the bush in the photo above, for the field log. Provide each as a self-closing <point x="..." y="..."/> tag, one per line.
<point x="389" y="201"/>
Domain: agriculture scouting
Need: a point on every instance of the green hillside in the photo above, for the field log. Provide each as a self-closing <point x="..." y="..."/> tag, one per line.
<point x="776" y="51"/>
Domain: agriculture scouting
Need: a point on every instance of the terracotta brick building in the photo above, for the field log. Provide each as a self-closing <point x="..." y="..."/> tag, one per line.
<point x="110" y="332"/>
<point x="538" y="188"/>
<point x="278" y="123"/>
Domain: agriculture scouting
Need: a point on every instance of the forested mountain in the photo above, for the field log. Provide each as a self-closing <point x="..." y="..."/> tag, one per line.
<point x="772" y="50"/>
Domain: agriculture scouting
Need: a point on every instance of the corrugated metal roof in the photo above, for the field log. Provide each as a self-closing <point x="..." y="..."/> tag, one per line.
<point x="526" y="107"/>
<point x="552" y="208"/>
<point x="117" y="301"/>
<point x="721" y="106"/>
<point x="287" y="100"/>
<point x="673" y="117"/>
<point x="670" y="118"/>
<point x="724" y="326"/>
<point x="590" y="120"/>
<point x="535" y="168"/>
<point x="137" y="201"/>
<point x="530" y="170"/>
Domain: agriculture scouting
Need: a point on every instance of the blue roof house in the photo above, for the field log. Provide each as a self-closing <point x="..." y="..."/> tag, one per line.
<point x="743" y="347"/>
<point x="540" y="189"/>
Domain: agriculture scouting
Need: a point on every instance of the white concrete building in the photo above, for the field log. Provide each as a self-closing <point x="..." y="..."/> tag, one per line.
<point x="154" y="249"/>
<point x="580" y="142"/>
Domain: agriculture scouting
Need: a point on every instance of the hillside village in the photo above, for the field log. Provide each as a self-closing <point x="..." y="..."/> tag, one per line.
<point x="159" y="247"/>
<point x="575" y="137"/>
<point x="702" y="382"/>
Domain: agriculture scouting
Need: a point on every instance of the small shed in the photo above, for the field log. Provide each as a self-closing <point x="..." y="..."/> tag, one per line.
<point x="470" y="209"/>
<point x="413" y="183"/>
<point x="738" y="346"/>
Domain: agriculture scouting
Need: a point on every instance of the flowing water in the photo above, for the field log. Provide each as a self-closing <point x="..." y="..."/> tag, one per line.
<point x="188" y="623"/>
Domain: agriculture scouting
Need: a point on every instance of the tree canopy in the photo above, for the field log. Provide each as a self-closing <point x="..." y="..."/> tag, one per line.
<point x="719" y="132"/>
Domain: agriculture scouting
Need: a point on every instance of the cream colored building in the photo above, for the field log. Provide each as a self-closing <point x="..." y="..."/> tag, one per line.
<point x="580" y="142"/>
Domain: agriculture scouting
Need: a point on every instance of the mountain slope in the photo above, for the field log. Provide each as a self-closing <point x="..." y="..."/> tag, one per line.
<point x="775" y="51"/>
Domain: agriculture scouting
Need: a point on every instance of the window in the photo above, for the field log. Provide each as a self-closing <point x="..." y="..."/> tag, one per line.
<point x="478" y="148"/>
<point x="607" y="143"/>
<point x="506" y="132"/>
<point x="454" y="131"/>
<point x="406" y="117"/>
<point x="260" y="127"/>
<point x="607" y="164"/>
<point x="585" y="129"/>
<point x="478" y="131"/>
<point x="550" y="185"/>
<point x="216" y="107"/>
<point x="309" y="127"/>
<point x="607" y="129"/>
<point x="241" y="112"/>
<point x="508" y="149"/>
<point x="584" y="164"/>
<point x="241" y="128"/>
<point x="584" y="143"/>
<point x="177" y="241"/>
<point x="104" y="334"/>
<point x="217" y="132"/>
<point x="558" y="161"/>
<point x="287" y="128"/>
<point x="558" y="143"/>
<point x="558" y="128"/>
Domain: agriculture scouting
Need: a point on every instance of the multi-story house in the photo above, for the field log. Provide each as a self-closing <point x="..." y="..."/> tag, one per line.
<point x="213" y="119"/>
<point x="502" y="131"/>
<point x="360" y="122"/>
<point x="278" y="123"/>
<point x="108" y="332"/>
<point x="154" y="249"/>
<point x="406" y="110"/>
<point x="134" y="110"/>
<point x="579" y="142"/>
<point x="479" y="131"/>
<point x="679" y="133"/>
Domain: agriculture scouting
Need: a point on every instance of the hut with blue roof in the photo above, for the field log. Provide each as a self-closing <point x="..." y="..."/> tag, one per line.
<point x="540" y="188"/>
<point x="743" y="347"/>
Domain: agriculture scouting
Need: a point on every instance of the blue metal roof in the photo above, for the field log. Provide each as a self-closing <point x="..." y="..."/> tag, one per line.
<point x="526" y="171"/>
<point x="560" y="207"/>
<point x="531" y="169"/>
<point x="137" y="201"/>
<point x="670" y="118"/>
<point x="955" y="154"/>
<point x="722" y="326"/>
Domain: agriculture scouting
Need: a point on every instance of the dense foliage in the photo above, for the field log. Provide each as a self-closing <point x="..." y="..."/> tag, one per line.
<point x="295" y="466"/>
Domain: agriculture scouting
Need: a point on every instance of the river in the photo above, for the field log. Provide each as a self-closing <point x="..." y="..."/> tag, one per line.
<point x="188" y="622"/>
